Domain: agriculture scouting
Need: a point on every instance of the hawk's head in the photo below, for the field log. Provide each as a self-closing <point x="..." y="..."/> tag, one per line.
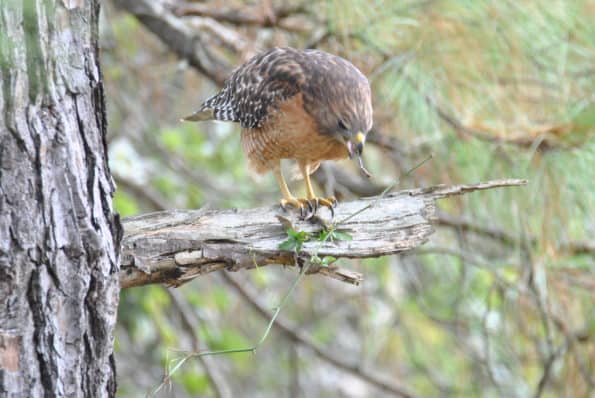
<point x="339" y="98"/>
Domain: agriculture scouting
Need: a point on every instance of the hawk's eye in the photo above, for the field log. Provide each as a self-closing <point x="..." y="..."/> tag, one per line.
<point x="342" y="125"/>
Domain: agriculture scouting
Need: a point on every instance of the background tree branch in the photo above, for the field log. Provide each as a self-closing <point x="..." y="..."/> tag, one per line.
<point x="187" y="43"/>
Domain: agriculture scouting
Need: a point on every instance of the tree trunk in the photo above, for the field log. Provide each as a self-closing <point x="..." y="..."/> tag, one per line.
<point x="59" y="238"/>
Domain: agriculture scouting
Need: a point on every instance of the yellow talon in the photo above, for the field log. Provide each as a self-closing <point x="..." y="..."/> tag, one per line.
<point x="303" y="205"/>
<point x="297" y="203"/>
<point x="330" y="203"/>
<point x="309" y="207"/>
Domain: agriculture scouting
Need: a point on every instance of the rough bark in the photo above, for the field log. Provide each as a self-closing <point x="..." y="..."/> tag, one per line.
<point x="59" y="237"/>
<point x="175" y="246"/>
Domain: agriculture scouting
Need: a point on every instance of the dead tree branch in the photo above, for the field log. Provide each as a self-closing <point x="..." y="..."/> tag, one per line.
<point x="175" y="246"/>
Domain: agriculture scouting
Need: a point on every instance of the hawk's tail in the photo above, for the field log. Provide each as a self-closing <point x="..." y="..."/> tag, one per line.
<point x="200" y="115"/>
<point x="218" y="107"/>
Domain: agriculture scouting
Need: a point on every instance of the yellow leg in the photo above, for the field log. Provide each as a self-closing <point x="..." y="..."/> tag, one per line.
<point x="310" y="204"/>
<point x="315" y="201"/>
<point x="288" y="199"/>
<point x="305" y="169"/>
<point x="282" y="184"/>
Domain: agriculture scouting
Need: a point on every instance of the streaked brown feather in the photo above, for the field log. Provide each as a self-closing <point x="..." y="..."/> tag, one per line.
<point x="290" y="133"/>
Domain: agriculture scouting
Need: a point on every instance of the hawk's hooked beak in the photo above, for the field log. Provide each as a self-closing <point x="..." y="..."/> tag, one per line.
<point x="357" y="145"/>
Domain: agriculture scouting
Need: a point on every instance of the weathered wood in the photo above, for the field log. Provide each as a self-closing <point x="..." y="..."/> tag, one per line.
<point x="175" y="246"/>
<point x="59" y="237"/>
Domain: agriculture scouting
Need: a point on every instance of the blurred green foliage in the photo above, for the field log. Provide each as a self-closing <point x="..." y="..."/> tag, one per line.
<point x="467" y="315"/>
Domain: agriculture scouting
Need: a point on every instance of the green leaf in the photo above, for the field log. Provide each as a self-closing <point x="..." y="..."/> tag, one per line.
<point x="295" y="241"/>
<point x="324" y="235"/>
<point x="327" y="260"/>
<point x="323" y="262"/>
<point x="288" y="245"/>
<point x="302" y="236"/>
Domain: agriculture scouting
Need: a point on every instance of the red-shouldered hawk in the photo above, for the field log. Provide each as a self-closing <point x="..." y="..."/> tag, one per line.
<point x="306" y="105"/>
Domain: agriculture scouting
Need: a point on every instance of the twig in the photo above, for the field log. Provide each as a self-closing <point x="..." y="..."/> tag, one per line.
<point x="547" y="369"/>
<point x="305" y="340"/>
<point x="251" y="349"/>
<point x="369" y="376"/>
<point x="191" y="323"/>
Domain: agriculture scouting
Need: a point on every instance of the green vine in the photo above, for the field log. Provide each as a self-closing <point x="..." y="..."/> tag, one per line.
<point x="294" y="243"/>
